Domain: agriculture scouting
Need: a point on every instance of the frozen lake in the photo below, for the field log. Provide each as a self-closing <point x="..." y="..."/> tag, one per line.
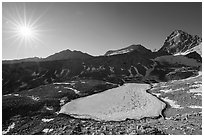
<point x="128" y="101"/>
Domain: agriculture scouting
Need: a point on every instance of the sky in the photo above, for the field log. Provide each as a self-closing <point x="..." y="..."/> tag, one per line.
<point x="41" y="29"/>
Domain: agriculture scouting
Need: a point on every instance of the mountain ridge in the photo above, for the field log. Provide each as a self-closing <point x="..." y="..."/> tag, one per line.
<point x="62" y="55"/>
<point x="177" y="43"/>
<point x="140" y="64"/>
<point x="128" y="49"/>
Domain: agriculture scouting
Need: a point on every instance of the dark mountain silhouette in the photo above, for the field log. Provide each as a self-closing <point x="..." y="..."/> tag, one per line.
<point x="63" y="55"/>
<point x="67" y="54"/>
<point x="34" y="59"/>
<point x="28" y="75"/>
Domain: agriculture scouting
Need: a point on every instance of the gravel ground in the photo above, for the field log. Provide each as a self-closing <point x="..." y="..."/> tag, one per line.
<point x="182" y="116"/>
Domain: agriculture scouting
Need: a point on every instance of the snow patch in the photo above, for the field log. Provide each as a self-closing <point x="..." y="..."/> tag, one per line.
<point x="65" y="83"/>
<point x="52" y="79"/>
<point x="157" y="94"/>
<point x="111" y="83"/>
<point x="8" y="129"/>
<point x="101" y="68"/>
<point x="63" y="70"/>
<point x="190" y="78"/>
<point x="171" y="90"/>
<point x="88" y="69"/>
<point x="111" y="69"/>
<point x="121" y="52"/>
<point x="198" y="94"/>
<point x="57" y="87"/>
<point x="46" y="81"/>
<point x="35" y="98"/>
<point x="16" y="95"/>
<point x="35" y="74"/>
<point x="7" y="95"/>
<point x="62" y="102"/>
<point x="76" y="91"/>
<point x="200" y="107"/>
<point x="172" y="103"/>
<point x="93" y="69"/>
<point x="179" y="89"/>
<point x="49" y="108"/>
<point x="55" y="72"/>
<point x="57" y="112"/>
<point x="47" y="130"/>
<point x="135" y="69"/>
<point x="43" y="74"/>
<point x="196" y="86"/>
<point x="23" y="84"/>
<point x="166" y="91"/>
<point x="197" y="49"/>
<point x="47" y="120"/>
<point x="196" y="90"/>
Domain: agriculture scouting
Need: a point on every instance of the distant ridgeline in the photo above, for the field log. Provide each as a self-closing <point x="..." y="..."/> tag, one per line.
<point x="179" y="57"/>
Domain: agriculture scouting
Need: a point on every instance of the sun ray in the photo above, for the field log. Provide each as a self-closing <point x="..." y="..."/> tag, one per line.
<point x="24" y="29"/>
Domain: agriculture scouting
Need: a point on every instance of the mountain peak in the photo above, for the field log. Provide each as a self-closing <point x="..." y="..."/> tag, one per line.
<point x="67" y="54"/>
<point x="180" y="41"/>
<point x="178" y="31"/>
<point x="128" y="49"/>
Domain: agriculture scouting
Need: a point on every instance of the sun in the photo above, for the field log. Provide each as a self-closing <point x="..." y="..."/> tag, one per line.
<point x="23" y="28"/>
<point x="25" y="32"/>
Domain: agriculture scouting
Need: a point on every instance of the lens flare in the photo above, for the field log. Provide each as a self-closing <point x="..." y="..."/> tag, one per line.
<point x="22" y="27"/>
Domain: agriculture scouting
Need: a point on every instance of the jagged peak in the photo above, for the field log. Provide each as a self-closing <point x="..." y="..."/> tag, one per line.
<point x="180" y="41"/>
<point x="179" y="31"/>
<point x="176" y="33"/>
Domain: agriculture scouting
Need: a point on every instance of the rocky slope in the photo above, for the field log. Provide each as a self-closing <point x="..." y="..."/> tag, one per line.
<point x="27" y="75"/>
<point x="180" y="117"/>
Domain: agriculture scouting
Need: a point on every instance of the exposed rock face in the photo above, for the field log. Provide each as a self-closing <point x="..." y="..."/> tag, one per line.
<point x="179" y="42"/>
<point x="128" y="101"/>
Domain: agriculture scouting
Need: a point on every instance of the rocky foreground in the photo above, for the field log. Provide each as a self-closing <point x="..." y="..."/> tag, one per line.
<point x="183" y="115"/>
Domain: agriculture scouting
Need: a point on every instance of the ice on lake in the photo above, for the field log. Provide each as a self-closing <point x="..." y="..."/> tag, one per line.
<point x="128" y="101"/>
